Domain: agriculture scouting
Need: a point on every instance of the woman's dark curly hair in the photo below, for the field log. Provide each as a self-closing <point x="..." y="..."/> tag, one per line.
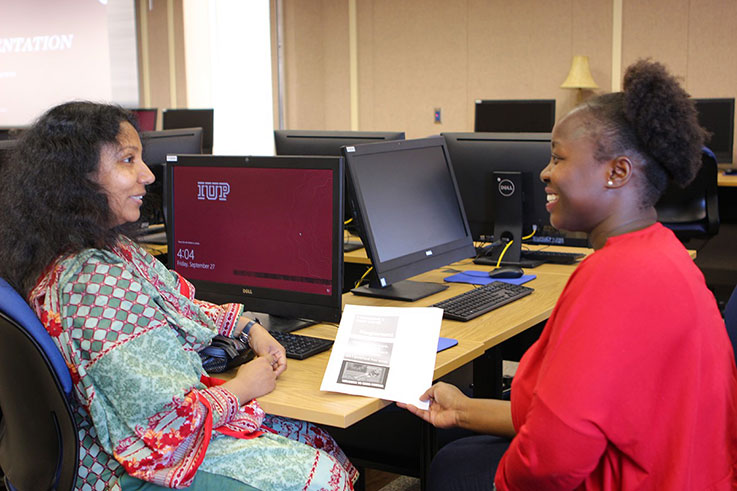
<point x="50" y="203"/>
<point x="654" y="117"/>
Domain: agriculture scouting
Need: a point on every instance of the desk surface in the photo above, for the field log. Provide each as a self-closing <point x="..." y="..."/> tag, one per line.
<point x="725" y="180"/>
<point x="298" y="392"/>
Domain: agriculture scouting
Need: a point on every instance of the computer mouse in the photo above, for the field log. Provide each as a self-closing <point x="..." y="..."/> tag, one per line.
<point x="506" y="272"/>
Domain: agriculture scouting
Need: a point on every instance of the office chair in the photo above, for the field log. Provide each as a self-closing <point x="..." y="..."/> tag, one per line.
<point x="693" y="212"/>
<point x="39" y="446"/>
<point x="730" y="319"/>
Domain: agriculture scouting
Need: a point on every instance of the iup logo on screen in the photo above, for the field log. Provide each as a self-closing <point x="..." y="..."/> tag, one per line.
<point x="213" y="191"/>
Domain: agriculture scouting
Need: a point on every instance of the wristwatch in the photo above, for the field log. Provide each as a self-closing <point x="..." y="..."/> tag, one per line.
<point x="245" y="336"/>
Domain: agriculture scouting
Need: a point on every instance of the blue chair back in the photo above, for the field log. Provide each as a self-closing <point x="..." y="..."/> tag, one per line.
<point x="730" y="319"/>
<point x="39" y="445"/>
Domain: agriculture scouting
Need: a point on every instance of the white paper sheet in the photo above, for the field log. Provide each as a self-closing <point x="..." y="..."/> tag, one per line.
<point x="384" y="352"/>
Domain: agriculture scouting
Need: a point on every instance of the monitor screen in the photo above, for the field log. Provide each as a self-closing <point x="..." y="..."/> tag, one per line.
<point x="156" y="146"/>
<point x="410" y="215"/>
<point x="192" y="118"/>
<point x="717" y="117"/>
<point x="263" y="231"/>
<point x="146" y="118"/>
<point x="476" y="156"/>
<point x="512" y="116"/>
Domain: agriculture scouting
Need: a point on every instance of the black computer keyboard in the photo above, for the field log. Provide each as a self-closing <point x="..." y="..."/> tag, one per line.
<point x="553" y="256"/>
<point x="300" y="347"/>
<point x="481" y="300"/>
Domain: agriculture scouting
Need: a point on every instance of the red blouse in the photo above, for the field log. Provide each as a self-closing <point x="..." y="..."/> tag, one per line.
<point x="632" y="384"/>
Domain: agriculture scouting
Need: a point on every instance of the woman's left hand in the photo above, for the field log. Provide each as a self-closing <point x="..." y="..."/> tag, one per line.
<point x="265" y="345"/>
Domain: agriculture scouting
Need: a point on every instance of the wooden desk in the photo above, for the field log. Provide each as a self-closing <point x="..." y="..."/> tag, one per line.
<point x="724" y="180"/>
<point x="298" y="392"/>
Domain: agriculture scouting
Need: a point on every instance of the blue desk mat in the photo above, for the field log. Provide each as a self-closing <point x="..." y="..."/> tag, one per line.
<point x="475" y="277"/>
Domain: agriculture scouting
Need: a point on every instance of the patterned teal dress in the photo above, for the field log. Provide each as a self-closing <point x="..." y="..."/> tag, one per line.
<point x="129" y="330"/>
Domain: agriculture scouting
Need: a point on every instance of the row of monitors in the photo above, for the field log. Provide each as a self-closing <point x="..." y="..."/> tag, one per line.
<point x="538" y="115"/>
<point x="177" y="119"/>
<point x="268" y="231"/>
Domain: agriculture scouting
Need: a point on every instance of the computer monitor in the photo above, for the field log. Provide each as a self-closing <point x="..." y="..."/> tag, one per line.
<point x="477" y="156"/>
<point x="146" y="118"/>
<point x="521" y="115"/>
<point x="717" y="116"/>
<point x="319" y="142"/>
<point x="192" y="118"/>
<point x="263" y="231"/>
<point x="409" y="212"/>
<point x="156" y="146"/>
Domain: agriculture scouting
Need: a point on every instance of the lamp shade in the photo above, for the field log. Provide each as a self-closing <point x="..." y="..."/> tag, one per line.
<point x="579" y="77"/>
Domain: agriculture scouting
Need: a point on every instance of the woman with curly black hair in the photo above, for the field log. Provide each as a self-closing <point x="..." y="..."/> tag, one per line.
<point x="129" y="329"/>
<point x="632" y="384"/>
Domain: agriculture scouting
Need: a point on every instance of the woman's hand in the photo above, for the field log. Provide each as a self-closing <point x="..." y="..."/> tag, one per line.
<point x="447" y="403"/>
<point x="266" y="346"/>
<point x="253" y="379"/>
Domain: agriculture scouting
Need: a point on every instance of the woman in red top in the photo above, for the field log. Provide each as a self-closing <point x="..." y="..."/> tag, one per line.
<point x="632" y="384"/>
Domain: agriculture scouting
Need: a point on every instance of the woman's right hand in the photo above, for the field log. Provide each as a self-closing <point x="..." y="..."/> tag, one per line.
<point x="446" y="405"/>
<point x="253" y="379"/>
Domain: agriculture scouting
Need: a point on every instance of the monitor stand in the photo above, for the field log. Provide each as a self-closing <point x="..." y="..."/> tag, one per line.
<point x="279" y="324"/>
<point x="406" y="290"/>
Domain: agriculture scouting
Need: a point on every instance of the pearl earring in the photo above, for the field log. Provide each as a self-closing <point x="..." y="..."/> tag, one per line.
<point x="610" y="183"/>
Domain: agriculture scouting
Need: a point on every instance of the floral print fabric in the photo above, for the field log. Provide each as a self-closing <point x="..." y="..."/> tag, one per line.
<point x="129" y="331"/>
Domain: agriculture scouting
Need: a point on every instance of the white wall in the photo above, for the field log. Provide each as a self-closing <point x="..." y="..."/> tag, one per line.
<point x="228" y="62"/>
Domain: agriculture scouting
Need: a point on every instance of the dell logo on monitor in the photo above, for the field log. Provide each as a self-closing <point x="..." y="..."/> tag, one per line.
<point x="506" y="187"/>
<point x="213" y="191"/>
<point x="247" y="291"/>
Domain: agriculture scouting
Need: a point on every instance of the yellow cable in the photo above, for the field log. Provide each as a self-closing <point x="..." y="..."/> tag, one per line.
<point x="348" y="221"/>
<point x="363" y="277"/>
<point x="529" y="236"/>
<point x="503" y="251"/>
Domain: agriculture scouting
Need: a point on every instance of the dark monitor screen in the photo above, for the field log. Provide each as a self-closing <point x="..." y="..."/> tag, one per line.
<point x="146" y="118"/>
<point x="410" y="215"/>
<point x="717" y="117"/>
<point x="476" y="156"/>
<point x="192" y="118"/>
<point x="263" y="231"/>
<point x="512" y="116"/>
<point x="156" y="146"/>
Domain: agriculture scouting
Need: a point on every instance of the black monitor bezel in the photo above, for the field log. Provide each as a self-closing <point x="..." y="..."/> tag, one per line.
<point x="314" y="142"/>
<point x="481" y="104"/>
<point x="282" y="303"/>
<point x="723" y="155"/>
<point x="386" y="273"/>
<point x="456" y="141"/>
<point x="159" y="138"/>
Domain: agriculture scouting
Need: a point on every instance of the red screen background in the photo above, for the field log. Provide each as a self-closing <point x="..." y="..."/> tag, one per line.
<point x="273" y="230"/>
